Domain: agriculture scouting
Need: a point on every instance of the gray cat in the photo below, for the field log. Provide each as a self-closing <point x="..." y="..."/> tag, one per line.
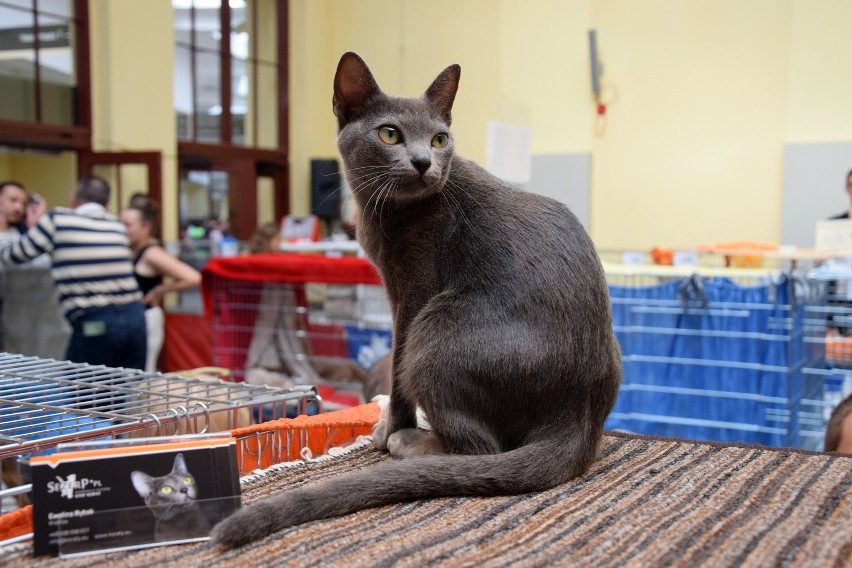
<point x="171" y="498"/>
<point x="501" y="319"/>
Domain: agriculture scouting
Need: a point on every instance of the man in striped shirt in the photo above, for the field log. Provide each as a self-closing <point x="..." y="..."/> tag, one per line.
<point x="96" y="289"/>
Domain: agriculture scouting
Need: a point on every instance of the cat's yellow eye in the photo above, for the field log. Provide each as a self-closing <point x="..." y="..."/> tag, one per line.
<point x="440" y="140"/>
<point x="166" y="489"/>
<point x="389" y="135"/>
<point x="187" y="480"/>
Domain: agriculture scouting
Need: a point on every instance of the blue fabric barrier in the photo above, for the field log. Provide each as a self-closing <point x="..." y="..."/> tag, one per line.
<point x="707" y="358"/>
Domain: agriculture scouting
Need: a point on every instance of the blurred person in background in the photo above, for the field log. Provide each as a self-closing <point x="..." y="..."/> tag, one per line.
<point x="266" y="238"/>
<point x="156" y="271"/>
<point x="13" y="210"/>
<point x="97" y="292"/>
<point x="13" y="198"/>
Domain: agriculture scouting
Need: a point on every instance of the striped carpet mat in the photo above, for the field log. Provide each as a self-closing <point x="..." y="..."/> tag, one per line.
<point x="645" y="502"/>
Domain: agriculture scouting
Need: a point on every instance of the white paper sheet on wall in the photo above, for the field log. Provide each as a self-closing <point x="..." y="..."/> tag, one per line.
<point x="508" y="151"/>
<point x="834" y="235"/>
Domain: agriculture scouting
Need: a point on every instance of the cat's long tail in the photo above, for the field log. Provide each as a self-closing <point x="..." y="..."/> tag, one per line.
<point x="534" y="467"/>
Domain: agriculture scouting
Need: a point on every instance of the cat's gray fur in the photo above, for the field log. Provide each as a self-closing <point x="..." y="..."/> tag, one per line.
<point x="176" y="513"/>
<point x="502" y="324"/>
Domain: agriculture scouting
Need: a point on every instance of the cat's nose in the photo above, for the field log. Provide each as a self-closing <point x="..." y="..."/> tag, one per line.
<point x="421" y="164"/>
<point x="184" y="489"/>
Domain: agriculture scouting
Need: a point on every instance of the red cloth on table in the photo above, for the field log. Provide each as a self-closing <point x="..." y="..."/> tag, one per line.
<point x="188" y="343"/>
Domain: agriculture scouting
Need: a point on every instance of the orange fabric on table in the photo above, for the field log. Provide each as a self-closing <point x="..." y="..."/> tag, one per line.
<point x="323" y="431"/>
<point x="18" y="522"/>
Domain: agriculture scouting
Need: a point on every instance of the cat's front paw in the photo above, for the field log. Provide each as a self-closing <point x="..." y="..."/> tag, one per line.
<point x="381" y="433"/>
<point x="381" y="430"/>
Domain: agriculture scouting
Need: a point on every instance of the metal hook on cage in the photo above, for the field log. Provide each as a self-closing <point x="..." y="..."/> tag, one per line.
<point x="176" y="413"/>
<point x="260" y="447"/>
<point x="692" y="290"/>
<point x="155" y="418"/>
<point x="184" y="412"/>
<point x="206" y="416"/>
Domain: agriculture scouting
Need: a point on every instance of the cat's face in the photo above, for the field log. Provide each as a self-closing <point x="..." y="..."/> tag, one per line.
<point x="393" y="148"/>
<point x="175" y="488"/>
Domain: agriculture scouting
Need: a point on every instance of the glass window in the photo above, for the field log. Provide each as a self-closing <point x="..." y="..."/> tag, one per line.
<point x="56" y="61"/>
<point x="183" y="97"/>
<point x="17" y="61"/>
<point x="247" y="55"/>
<point x="208" y="97"/>
<point x="37" y="74"/>
<point x="240" y="50"/>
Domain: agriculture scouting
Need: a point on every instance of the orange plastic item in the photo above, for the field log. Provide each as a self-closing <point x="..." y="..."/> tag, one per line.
<point x="662" y="256"/>
<point x="751" y="256"/>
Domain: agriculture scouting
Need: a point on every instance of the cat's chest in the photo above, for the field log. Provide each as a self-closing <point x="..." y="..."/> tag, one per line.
<point x="409" y="267"/>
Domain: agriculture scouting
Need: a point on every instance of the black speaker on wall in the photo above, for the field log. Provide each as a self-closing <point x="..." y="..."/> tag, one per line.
<point x="325" y="189"/>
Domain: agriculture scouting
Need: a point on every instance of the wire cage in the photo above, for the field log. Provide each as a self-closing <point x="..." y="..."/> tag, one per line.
<point x="731" y="355"/>
<point x="44" y="402"/>
<point x="832" y="327"/>
<point x="288" y="320"/>
<point x="710" y="352"/>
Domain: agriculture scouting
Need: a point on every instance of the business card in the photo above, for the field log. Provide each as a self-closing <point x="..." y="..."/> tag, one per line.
<point x="98" y="497"/>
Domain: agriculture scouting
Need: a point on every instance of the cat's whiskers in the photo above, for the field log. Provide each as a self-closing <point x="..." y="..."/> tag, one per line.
<point x="375" y="166"/>
<point x="377" y="191"/>
<point x="354" y="179"/>
<point x="463" y="189"/>
<point x="366" y="175"/>
<point x="373" y="179"/>
<point x="380" y="196"/>
<point x="387" y="193"/>
<point x="453" y="202"/>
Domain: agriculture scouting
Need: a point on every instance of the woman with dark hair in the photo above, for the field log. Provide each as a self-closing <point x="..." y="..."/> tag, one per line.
<point x="156" y="271"/>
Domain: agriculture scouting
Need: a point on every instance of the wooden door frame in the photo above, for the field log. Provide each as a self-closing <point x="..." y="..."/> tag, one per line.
<point x="246" y="164"/>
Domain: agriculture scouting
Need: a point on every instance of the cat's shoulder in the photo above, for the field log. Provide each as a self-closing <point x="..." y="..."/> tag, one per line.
<point x="474" y="177"/>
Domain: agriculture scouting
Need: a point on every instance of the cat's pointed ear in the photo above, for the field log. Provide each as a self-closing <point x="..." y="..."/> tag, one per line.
<point x="180" y="464"/>
<point x="442" y="92"/>
<point x="143" y="483"/>
<point x="354" y="88"/>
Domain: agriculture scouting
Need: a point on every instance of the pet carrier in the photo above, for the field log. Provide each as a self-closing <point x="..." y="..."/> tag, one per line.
<point x="288" y="319"/>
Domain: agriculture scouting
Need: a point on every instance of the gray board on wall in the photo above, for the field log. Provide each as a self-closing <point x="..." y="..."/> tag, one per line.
<point x="564" y="177"/>
<point x="813" y="188"/>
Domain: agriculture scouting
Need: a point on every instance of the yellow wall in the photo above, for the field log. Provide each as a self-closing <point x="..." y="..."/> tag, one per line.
<point x="706" y="92"/>
<point x="820" y="82"/>
<point x="311" y="121"/>
<point x="132" y="57"/>
<point x="51" y="176"/>
<point x="692" y="149"/>
<point x="545" y="72"/>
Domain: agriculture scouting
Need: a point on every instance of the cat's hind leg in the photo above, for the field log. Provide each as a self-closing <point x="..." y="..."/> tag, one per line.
<point x="410" y="442"/>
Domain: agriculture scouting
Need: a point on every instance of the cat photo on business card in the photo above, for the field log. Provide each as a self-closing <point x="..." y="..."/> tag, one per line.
<point x="171" y="498"/>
